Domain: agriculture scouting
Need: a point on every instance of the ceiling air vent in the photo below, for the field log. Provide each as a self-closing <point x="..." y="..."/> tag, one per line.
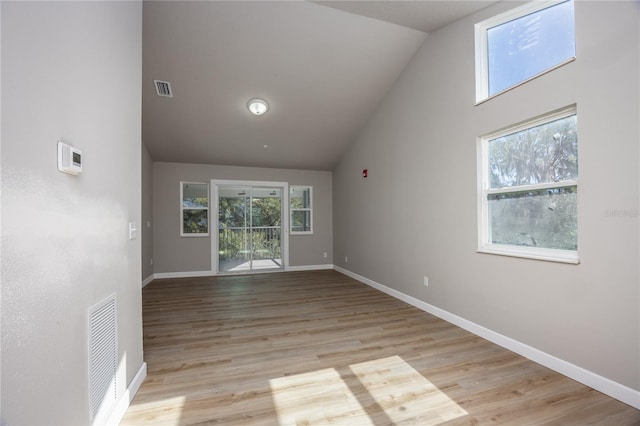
<point x="163" y="88"/>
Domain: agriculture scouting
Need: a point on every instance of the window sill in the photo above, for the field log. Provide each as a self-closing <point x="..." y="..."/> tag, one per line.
<point x="549" y="255"/>
<point x="486" y="97"/>
<point x="194" y="235"/>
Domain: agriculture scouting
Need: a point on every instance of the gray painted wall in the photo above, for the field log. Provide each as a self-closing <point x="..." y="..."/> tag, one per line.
<point x="146" y="226"/>
<point x="416" y="214"/>
<point x="185" y="254"/>
<point x="72" y="71"/>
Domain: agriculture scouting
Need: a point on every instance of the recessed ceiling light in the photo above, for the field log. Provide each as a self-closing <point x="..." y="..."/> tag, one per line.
<point x="258" y="106"/>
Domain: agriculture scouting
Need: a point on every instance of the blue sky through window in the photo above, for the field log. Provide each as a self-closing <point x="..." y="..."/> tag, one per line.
<point x="527" y="46"/>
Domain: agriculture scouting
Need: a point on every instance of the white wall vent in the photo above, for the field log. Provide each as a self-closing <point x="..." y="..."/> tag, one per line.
<point x="163" y="88"/>
<point x="103" y="357"/>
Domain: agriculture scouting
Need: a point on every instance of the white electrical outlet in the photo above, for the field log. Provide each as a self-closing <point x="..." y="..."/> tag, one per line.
<point x="324" y="254"/>
<point x="426" y="281"/>
<point x="346" y="259"/>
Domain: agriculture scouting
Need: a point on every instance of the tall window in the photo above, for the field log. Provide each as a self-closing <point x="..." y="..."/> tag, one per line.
<point x="194" y="209"/>
<point x="301" y="210"/>
<point x="529" y="187"/>
<point x="518" y="45"/>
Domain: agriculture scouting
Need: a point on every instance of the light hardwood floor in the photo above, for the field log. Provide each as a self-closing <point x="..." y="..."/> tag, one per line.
<point x="320" y="348"/>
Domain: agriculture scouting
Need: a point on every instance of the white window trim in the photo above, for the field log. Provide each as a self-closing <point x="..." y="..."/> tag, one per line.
<point x="482" y="65"/>
<point x="309" y="209"/>
<point x="182" y="209"/>
<point x="484" y="189"/>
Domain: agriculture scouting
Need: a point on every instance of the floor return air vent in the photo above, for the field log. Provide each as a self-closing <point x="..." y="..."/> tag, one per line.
<point x="103" y="357"/>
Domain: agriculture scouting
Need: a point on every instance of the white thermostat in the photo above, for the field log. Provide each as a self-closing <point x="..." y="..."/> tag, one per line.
<point x="69" y="159"/>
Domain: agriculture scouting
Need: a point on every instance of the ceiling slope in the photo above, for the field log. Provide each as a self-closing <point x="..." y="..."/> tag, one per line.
<point x="323" y="72"/>
<point x="423" y="15"/>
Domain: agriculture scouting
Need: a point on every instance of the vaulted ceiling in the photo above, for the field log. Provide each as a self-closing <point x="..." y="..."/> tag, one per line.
<point x="323" y="67"/>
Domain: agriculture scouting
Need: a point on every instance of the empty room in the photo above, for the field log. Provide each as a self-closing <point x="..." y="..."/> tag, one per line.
<point x="320" y="212"/>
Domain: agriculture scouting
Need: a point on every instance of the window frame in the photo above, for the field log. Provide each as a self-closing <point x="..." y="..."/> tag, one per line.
<point x="484" y="191"/>
<point x="183" y="208"/>
<point x="481" y="46"/>
<point x="309" y="209"/>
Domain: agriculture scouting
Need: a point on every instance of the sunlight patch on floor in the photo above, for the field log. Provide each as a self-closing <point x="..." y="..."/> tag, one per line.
<point x="387" y="390"/>
<point x="169" y="409"/>
<point x="319" y="397"/>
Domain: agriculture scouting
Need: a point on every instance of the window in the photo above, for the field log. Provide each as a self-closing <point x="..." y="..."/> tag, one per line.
<point x="194" y="209"/>
<point x="301" y="210"/>
<point x="523" y="43"/>
<point x="528" y="189"/>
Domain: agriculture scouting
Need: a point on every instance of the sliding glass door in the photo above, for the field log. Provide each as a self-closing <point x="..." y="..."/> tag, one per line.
<point x="250" y="228"/>
<point x="266" y="228"/>
<point x="234" y="217"/>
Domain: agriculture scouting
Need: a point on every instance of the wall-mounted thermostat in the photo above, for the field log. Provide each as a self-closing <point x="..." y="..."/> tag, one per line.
<point x="69" y="159"/>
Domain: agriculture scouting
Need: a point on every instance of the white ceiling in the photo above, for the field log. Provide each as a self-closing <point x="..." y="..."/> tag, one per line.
<point x="322" y="70"/>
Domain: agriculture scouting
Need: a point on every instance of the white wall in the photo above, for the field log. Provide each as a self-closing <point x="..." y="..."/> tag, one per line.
<point x="147" y="214"/>
<point x="416" y="213"/>
<point x="1" y="136"/>
<point x="188" y="254"/>
<point x="70" y="70"/>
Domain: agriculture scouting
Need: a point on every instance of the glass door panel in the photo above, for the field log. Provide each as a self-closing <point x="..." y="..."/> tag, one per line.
<point x="266" y="225"/>
<point x="234" y="236"/>
<point x="249" y="228"/>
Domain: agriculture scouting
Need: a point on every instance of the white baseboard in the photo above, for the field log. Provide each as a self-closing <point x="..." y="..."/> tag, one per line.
<point x="125" y="400"/>
<point x="148" y="280"/>
<point x="310" y="267"/>
<point x="188" y="274"/>
<point x="609" y="387"/>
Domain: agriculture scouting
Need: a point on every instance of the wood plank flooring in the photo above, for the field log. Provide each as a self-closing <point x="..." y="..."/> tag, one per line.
<point x="302" y="348"/>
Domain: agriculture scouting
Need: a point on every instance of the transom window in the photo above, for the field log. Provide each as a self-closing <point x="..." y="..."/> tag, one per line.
<point x="529" y="187"/>
<point x="301" y="210"/>
<point x="523" y="43"/>
<point x="194" y="209"/>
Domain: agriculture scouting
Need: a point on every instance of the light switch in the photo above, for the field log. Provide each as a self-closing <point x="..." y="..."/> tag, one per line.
<point x="133" y="231"/>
